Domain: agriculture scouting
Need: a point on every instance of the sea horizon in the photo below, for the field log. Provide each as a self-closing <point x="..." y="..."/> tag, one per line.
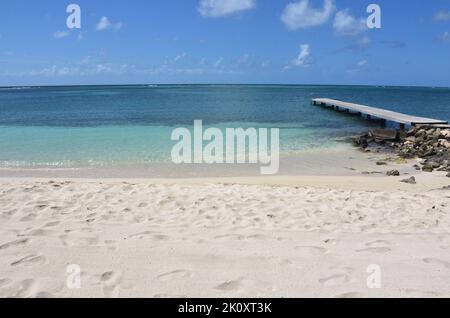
<point x="228" y="84"/>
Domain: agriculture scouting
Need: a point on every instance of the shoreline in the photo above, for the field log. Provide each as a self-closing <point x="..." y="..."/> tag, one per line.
<point x="349" y="168"/>
<point x="348" y="161"/>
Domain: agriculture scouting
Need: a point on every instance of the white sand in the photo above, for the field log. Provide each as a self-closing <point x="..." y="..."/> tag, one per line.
<point x="261" y="237"/>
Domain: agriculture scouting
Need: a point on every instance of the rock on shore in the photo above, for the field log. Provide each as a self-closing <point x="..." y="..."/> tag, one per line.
<point x="432" y="144"/>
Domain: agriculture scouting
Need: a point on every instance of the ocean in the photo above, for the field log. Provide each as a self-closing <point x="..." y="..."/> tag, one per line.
<point x="89" y="126"/>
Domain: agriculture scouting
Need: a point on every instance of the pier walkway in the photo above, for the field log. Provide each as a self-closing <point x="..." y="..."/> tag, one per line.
<point x="377" y="113"/>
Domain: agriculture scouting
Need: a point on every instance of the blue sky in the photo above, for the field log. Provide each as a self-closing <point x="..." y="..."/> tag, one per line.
<point x="225" y="41"/>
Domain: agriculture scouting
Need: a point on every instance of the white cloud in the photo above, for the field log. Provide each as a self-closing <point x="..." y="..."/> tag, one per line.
<point x="357" y="45"/>
<point x="360" y="66"/>
<point x="245" y="59"/>
<point x="445" y="37"/>
<point x="265" y="64"/>
<point x="303" y="59"/>
<point x="179" y="57"/>
<point x="67" y="71"/>
<point x="219" y="62"/>
<point x="300" y="15"/>
<point x="82" y="68"/>
<point x="105" y="24"/>
<point x="61" y="34"/>
<point x="85" y="60"/>
<point x="101" y="68"/>
<point x="442" y="16"/>
<point x="118" y="26"/>
<point x="362" y="63"/>
<point x="98" y="65"/>
<point x="347" y="25"/>
<point x="220" y="8"/>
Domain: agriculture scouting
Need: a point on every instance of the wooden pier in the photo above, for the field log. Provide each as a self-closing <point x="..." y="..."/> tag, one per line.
<point x="377" y="113"/>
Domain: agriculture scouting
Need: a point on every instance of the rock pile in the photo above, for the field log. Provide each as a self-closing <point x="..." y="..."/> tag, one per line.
<point x="393" y="173"/>
<point x="425" y="142"/>
<point x="411" y="180"/>
<point x="432" y="144"/>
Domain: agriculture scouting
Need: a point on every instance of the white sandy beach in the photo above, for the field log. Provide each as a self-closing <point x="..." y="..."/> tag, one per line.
<point x="236" y="237"/>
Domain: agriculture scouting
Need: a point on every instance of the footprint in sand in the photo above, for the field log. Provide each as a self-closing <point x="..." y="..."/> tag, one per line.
<point x="111" y="284"/>
<point x="350" y="295"/>
<point x="4" y="282"/>
<point x="127" y="188"/>
<point x="380" y="250"/>
<point x="30" y="260"/>
<point x="29" y="217"/>
<point x="378" y="243"/>
<point x="151" y="234"/>
<point x="140" y="219"/>
<point x="43" y="295"/>
<point x="436" y="261"/>
<point x="259" y="237"/>
<point x="228" y="236"/>
<point x="279" y="261"/>
<point x="77" y="240"/>
<point x="9" y="213"/>
<point x="244" y="286"/>
<point x="52" y="224"/>
<point x="24" y="289"/>
<point x="39" y="232"/>
<point x="141" y="235"/>
<point x="378" y="246"/>
<point x="14" y="244"/>
<point x="337" y="279"/>
<point x="421" y="294"/>
<point x="229" y="286"/>
<point x="160" y="237"/>
<point x="177" y="274"/>
<point x="313" y="250"/>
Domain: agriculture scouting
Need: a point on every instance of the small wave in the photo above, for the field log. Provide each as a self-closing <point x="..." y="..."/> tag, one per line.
<point x="31" y="164"/>
<point x="15" y="88"/>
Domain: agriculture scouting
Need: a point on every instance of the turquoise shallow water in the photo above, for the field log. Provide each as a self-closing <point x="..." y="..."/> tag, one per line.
<point x="126" y="125"/>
